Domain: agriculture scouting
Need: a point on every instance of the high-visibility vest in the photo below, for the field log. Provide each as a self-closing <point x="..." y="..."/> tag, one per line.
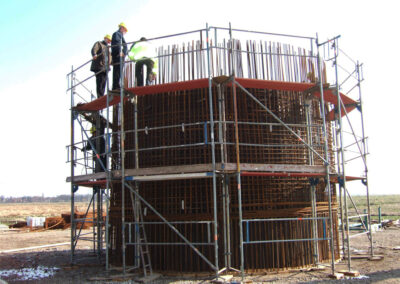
<point x="142" y="50"/>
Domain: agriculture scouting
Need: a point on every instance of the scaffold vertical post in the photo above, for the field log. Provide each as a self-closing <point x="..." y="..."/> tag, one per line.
<point x="214" y="177"/>
<point x="224" y="194"/>
<point x="313" y="183"/>
<point x="342" y="173"/>
<point x="239" y="182"/>
<point x="238" y="179"/>
<point x="93" y="218"/>
<point x="98" y="188"/>
<point x="341" y="193"/>
<point x="359" y="79"/>
<point x="72" y="82"/>
<point x="122" y="137"/>
<point x="108" y="152"/>
<point x="136" y="200"/>
<point x="326" y="162"/>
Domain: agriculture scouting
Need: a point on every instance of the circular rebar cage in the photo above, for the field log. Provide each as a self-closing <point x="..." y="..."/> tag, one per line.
<point x="175" y="132"/>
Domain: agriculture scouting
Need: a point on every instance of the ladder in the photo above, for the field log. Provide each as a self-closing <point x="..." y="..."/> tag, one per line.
<point x="143" y="246"/>
<point x="141" y="238"/>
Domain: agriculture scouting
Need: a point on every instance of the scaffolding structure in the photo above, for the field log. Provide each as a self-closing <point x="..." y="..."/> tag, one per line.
<point x="225" y="77"/>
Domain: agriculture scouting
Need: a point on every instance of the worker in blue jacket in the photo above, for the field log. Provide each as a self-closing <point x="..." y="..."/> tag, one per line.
<point x="117" y="53"/>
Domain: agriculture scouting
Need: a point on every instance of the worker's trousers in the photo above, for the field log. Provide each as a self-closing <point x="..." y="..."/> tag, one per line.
<point x="139" y="71"/>
<point x="116" y="73"/>
<point x="101" y="79"/>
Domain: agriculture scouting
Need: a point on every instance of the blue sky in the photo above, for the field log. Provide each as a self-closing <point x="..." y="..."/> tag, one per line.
<point x="39" y="34"/>
<point x="42" y="39"/>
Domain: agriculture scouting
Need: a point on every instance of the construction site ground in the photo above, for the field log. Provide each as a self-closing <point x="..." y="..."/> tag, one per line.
<point x="52" y="264"/>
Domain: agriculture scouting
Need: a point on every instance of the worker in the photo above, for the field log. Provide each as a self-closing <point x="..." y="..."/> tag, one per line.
<point x="99" y="53"/>
<point x="142" y="53"/>
<point x="97" y="141"/>
<point x="117" y="54"/>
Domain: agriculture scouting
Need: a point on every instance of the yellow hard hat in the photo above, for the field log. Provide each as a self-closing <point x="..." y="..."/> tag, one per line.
<point x="107" y="37"/>
<point x="123" y="25"/>
<point x="92" y="129"/>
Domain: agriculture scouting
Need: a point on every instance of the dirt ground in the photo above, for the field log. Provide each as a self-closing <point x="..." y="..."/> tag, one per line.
<point x="52" y="263"/>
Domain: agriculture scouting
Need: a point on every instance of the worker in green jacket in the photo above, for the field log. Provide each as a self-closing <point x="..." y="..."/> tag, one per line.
<point x="142" y="53"/>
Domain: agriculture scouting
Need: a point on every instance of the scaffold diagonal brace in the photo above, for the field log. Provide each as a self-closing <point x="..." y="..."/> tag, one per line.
<point x="279" y="120"/>
<point x="171" y="226"/>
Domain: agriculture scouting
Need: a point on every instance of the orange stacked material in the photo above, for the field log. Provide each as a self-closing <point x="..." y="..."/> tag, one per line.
<point x="64" y="222"/>
<point x="77" y="215"/>
<point x="54" y="223"/>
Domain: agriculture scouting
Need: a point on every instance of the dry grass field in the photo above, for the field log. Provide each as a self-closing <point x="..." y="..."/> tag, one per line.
<point x="11" y="212"/>
<point x="390" y="205"/>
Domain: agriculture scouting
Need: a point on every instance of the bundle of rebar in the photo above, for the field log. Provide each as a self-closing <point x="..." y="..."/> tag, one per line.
<point x="264" y="60"/>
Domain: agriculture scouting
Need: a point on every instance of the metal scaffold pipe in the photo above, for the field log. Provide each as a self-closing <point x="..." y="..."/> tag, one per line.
<point x="341" y="167"/>
<point x="72" y="167"/>
<point x="214" y="177"/>
<point x="122" y="145"/>
<point x="359" y="79"/>
<point x="108" y="153"/>
<point x="328" y="185"/>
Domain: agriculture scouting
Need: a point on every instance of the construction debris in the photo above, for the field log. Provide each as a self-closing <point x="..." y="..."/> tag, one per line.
<point x="376" y="257"/>
<point x="336" y="276"/>
<point x="63" y="222"/>
<point x="350" y="273"/>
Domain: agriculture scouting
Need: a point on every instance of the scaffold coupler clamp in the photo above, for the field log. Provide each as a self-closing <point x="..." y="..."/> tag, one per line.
<point x="364" y="181"/>
<point x="75" y="188"/>
<point x="74" y="114"/>
<point x="358" y="106"/>
<point x="340" y="181"/>
<point x="313" y="181"/>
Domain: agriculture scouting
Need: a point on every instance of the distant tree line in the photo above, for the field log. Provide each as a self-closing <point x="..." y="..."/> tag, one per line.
<point x="58" y="198"/>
